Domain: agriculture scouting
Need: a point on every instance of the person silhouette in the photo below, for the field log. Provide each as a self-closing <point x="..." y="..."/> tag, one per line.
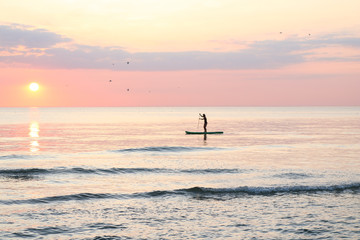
<point x="203" y="117"/>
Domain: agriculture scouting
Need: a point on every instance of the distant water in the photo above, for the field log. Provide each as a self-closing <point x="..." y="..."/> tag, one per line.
<point x="132" y="173"/>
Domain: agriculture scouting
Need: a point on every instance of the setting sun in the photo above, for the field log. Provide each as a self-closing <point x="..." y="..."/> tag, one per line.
<point x="34" y="87"/>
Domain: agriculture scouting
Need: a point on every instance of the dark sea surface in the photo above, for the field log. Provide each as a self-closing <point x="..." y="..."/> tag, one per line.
<point x="133" y="173"/>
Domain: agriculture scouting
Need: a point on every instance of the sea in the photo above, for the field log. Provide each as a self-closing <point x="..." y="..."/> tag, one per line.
<point x="133" y="173"/>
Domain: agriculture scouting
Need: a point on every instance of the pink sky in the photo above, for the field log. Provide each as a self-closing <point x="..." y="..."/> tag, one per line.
<point x="292" y="55"/>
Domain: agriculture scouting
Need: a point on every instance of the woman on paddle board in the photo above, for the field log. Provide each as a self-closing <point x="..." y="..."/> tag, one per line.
<point x="203" y="117"/>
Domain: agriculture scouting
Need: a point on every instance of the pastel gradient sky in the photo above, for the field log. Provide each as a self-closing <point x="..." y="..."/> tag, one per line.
<point x="180" y="53"/>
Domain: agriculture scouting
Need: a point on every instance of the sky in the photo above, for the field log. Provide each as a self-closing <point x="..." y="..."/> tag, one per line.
<point x="86" y="53"/>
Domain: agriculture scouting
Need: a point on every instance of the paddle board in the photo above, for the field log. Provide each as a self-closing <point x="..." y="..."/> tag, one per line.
<point x="188" y="132"/>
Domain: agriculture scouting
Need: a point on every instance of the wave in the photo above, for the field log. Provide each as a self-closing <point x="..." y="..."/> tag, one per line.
<point x="199" y="193"/>
<point x="16" y="156"/>
<point x="33" y="232"/>
<point x="14" y="173"/>
<point x="159" y="149"/>
<point x="22" y="174"/>
<point x="274" y="190"/>
<point x="25" y="156"/>
<point x="292" y="175"/>
<point x="62" y="198"/>
<point x="164" y="149"/>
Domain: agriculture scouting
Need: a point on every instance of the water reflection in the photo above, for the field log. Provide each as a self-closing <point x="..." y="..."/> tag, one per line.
<point x="34" y="134"/>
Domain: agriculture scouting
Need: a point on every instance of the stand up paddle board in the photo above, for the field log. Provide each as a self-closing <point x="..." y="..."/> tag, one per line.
<point x="188" y="132"/>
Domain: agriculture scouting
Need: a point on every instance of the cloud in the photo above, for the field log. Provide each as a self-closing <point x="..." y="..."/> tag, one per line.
<point x="267" y="54"/>
<point x="20" y="35"/>
<point x="196" y="60"/>
<point x="109" y="58"/>
<point x="337" y="39"/>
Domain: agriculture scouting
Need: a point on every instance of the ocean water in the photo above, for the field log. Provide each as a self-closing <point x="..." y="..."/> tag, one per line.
<point x="132" y="173"/>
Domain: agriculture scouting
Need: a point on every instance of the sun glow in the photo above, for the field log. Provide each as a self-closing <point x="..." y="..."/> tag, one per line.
<point x="34" y="87"/>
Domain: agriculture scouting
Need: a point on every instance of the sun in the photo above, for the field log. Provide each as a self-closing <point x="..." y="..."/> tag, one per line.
<point x="34" y="86"/>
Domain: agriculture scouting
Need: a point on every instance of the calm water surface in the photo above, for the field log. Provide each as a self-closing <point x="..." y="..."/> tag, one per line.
<point x="132" y="173"/>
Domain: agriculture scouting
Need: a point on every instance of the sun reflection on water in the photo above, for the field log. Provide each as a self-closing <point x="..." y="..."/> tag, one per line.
<point x="34" y="134"/>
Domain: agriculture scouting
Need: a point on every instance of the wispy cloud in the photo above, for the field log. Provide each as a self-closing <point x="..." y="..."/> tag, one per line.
<point x="267" y="54"/>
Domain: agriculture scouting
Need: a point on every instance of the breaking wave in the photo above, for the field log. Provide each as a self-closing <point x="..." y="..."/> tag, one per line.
<point x="164" y="149"/>
<point x="9" y="173"/>
<point x="198" y="192"/>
